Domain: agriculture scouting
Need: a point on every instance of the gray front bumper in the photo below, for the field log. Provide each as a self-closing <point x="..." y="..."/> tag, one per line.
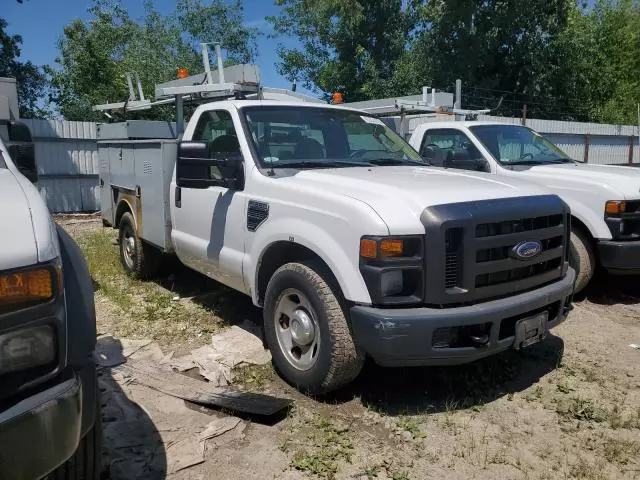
<point x="403" y="337"/>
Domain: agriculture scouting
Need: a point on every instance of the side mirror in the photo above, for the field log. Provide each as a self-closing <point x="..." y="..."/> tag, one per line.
<point x="198" y="167"/>
<point x="22" y="150"/>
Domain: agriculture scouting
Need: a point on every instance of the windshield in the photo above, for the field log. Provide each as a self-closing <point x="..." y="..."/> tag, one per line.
<point x="516" y="145"/>
<point x="308" y="137"/>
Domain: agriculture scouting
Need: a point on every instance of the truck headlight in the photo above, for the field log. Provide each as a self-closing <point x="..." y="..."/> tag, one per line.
<point x="22" y="288"/>
<point x="27" y="348"/>
<point x="393" y="269"/>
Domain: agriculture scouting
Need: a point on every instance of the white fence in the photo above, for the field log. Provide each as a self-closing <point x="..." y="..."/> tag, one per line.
<point x="67" y="153"/>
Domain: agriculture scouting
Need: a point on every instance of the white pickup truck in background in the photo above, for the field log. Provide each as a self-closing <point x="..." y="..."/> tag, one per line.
<point x="335" y="226"/>
<point x="604" y="200"/>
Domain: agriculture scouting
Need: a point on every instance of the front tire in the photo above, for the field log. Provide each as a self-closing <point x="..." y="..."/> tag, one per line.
<point x="582" y="259"/>
<point x="138" y="259"/>
<point x="307" y="331"/>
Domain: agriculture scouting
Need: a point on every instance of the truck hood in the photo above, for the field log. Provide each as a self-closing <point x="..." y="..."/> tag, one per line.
<point x="624" y="180"/>
<point x="393" y="191"/>
<point x="18" y="245"/>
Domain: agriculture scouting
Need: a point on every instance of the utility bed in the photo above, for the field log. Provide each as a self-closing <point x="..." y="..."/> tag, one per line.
<point x="136" y="164"/>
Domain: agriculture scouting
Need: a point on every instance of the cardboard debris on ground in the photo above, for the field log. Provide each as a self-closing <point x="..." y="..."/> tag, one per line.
<point x="182" y="363"/>
<point x="237" y="346"/>
<point x="111" y="352"/>
<point x="203" y="393"/>
<point x="184" y="453"/>
<point x="207" y="361"/>
<point x="219" y="426"/>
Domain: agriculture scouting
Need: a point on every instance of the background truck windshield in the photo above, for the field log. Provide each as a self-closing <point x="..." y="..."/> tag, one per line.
<point x="516" y="145"/>
<point x="307" y="137"/>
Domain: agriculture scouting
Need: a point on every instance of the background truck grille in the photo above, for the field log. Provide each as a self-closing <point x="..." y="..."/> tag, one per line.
<point x="474" y="259"/>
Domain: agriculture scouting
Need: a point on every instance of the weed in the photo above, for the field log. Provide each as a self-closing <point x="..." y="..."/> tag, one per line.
<point x="535" y="394"/>
<point x="620" y="451"/>
<point x="580" y="409"/>
<point x="371" y="472"/>
<point x="400" y="475"/>
<point x="411" y="426"/>
<point x="563" y="387"/>
<point x="329" y="447"/>
<point x="253" y="377"/>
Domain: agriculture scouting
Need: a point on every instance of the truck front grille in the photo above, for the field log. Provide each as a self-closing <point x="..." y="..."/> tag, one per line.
<point x="474" y="257"/>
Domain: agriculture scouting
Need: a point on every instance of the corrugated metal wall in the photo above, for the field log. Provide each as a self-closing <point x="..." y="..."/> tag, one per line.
<point x="67" y="158"/>
<point x="67" y="153"/>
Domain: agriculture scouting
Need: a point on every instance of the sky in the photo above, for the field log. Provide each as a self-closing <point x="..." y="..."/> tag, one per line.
<point x="40" y="22"/>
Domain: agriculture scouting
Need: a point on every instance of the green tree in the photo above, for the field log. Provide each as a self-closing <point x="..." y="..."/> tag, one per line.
<point x="353" y="45"/>
<point x="606" y="60"/>
<point x="31" y="80"/>
<point x="96" y="55"/>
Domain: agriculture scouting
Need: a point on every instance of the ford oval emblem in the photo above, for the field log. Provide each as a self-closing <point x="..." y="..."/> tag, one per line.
<point x="527" y="250"/>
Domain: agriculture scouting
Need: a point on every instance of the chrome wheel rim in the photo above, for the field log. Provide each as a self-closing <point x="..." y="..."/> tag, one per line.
<point x="129" y="249"/>
<point x="297" y="329"/>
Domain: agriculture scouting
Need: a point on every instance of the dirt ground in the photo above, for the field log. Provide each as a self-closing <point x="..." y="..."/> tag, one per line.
<point x="566" y="408"/>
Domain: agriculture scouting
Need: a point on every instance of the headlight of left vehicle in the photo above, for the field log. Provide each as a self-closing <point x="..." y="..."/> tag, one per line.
<point x="27" y="348"/>
<point x="32" y="346"/>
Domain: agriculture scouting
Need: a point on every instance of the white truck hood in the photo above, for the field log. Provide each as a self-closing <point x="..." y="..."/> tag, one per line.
<point x="18" y="246"/>
<point x="624" y="180"/>
<point x="400" y="194"/>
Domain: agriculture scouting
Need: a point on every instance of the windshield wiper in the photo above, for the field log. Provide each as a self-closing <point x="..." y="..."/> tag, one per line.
<point x="396" y="161"/>
<point x="318" y="164"/>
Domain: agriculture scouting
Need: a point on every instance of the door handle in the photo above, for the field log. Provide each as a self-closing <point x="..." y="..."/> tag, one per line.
<point x="178" y="197"/>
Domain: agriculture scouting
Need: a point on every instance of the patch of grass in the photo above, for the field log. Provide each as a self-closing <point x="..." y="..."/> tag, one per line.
<point x="329" y="446"/>
<point x="408" y="424"/>
<point x="143" y="309"/>
<point x="253" y="377"/>
<point x="581" y="409"/>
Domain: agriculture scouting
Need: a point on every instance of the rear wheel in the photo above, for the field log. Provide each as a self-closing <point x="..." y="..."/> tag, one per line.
<point x="138" y="259"/>
<point x="307" y="332"/>
<point x="582" y="259"/>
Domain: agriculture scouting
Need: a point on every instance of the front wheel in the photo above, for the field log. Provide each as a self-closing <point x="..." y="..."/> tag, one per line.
<point x="307" y="332"/>
<point x="582" y="259"/>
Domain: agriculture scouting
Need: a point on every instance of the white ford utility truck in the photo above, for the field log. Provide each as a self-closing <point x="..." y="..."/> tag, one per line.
<point x="604" y="200"/>
<point x="49" y="400"/>
<point x="336" y="227"/>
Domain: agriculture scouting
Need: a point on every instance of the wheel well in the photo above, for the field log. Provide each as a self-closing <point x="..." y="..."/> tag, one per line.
<point x="577" y="224"/>
<point x="280" y="253"/>
<point x="123" y="207"/>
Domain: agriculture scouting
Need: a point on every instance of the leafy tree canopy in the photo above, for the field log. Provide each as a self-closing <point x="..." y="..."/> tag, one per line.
<point x="96" y="55"/>
<point x="31" y="80"/>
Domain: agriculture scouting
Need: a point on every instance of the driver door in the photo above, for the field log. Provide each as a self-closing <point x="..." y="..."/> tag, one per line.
<point x="451" y="148"/>
<point x="208" y="222"/>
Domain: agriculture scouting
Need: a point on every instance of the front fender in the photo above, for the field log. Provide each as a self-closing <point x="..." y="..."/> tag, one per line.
<point x="80" y="308"/>
<point x="341" y="259"/>
<point x="594" y="223"/>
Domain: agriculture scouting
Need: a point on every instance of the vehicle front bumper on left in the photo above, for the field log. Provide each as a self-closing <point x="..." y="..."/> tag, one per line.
<point x="620" y="257"/>
<point x="42" y="431"/>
